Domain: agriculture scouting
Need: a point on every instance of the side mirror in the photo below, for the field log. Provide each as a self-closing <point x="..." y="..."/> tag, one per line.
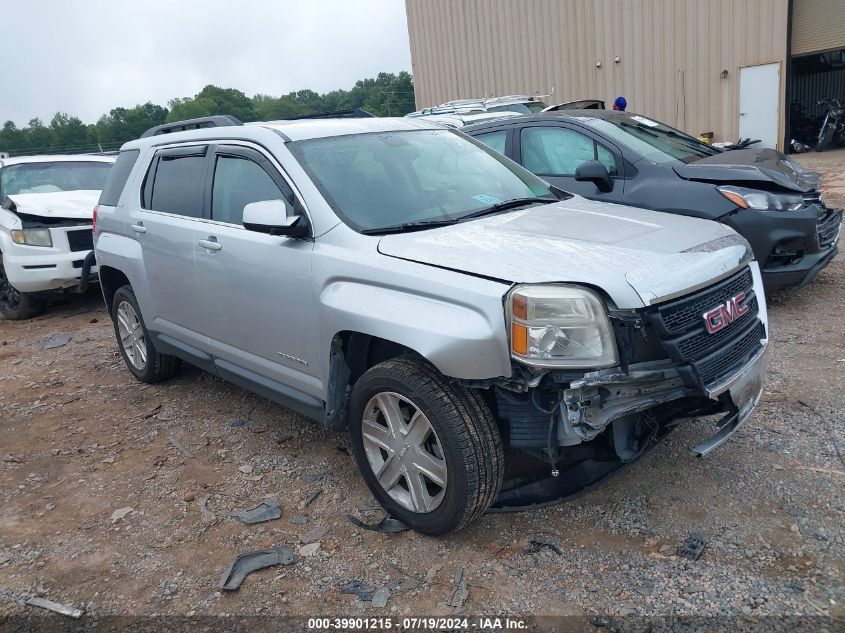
<point x="270" y="216"/>
<point x="595" y="172"/>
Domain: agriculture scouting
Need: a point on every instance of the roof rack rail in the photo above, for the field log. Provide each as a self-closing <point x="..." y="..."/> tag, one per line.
<point x="355" y="113"/>
<point x="221" y="120"/>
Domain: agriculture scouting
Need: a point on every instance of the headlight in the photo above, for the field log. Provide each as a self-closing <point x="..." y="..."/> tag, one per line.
<point x="764" y="200"/>
<point x="560" y="326"/>
<point x="32" y="237"/>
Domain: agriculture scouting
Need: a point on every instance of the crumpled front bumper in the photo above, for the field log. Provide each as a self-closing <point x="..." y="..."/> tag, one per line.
<point x="745" y="388"/>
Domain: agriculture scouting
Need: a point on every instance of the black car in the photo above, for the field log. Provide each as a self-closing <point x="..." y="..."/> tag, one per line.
<point x="630" y="159"/>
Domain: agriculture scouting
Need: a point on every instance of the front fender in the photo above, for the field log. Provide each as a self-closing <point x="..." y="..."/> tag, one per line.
<point x="460" y="340"/>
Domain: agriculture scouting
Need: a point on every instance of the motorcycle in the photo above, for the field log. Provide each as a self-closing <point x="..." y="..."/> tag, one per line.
<point x="833" y="126"/>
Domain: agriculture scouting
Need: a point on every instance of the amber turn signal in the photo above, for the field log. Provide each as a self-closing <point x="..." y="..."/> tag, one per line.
<point x="519" y="338"/>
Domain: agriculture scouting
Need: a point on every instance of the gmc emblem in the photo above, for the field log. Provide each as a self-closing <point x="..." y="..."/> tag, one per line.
<point x="720" y="317"/>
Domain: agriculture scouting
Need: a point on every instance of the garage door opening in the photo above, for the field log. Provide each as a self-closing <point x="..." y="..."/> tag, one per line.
<point x="817" y="93"/>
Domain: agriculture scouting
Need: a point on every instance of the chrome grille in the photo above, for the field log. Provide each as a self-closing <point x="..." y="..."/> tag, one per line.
<point x="678" y="316"/>
<point x="707" y="358"/>
<point x="714" y="367"/>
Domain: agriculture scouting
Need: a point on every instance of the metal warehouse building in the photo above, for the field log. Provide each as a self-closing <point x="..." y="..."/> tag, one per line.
<point x="731" y="67"/>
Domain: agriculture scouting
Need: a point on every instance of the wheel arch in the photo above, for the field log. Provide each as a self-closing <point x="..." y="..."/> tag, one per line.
<point x="110" y="280"/>
<point x="351" y="354"/>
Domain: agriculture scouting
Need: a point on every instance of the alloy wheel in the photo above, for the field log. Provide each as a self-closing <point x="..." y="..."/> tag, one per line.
<point x="131" y="335"/>
<point x="404" y="452"/>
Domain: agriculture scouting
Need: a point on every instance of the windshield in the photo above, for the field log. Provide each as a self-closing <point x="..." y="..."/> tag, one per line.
<point x="50" y="177"/>
<point x="388" y="179"/>
<point x="654" y="141"/>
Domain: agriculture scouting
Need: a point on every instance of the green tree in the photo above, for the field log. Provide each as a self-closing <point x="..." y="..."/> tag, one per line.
<point x="69" y="134"/>
<point x="387" y="94"/>
<point x="269" y="108"/>
<point x="11" y="138"/>
<point x="210" y="101"/>
<point x="124" y="124"/>
<point x="38" y="136"/>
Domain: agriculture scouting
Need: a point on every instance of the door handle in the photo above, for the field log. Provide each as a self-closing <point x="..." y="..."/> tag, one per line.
<point x="211" y="244"/>
<point x="139" y="228"/>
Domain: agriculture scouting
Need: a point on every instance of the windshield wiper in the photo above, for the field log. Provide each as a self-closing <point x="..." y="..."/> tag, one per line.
<point x="507" y="204"/>
<point x="406" y="227"/>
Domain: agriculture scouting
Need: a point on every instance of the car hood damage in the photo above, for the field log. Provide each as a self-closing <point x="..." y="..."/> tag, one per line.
<point x="58" y="205"/>
<point x="638" y="257"/>
<point x="760" y="168"/>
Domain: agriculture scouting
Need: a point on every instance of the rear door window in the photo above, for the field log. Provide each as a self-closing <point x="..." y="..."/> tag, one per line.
<point x="174" y="183"/>
<point x="494" y="140"/>
<point x="118" y="176"/>
<point x="238" y="182"/>
<point x="557" y="151"/>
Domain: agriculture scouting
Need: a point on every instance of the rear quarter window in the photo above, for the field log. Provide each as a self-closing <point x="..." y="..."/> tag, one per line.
<point x="118" y="176"/>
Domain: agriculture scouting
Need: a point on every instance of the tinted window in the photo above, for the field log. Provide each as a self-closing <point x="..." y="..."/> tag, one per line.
<point x="177" y="187"/>
<point x="50" y="177"/>
<point x="494" y="140"/>
<point x="558" y="151"/>
<point x="237" y="182"/>
<point x="387" y="179"/>
<point x="118" y="176"/>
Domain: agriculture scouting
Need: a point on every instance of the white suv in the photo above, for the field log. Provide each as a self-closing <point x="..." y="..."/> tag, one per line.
<point x="45" y="228"/>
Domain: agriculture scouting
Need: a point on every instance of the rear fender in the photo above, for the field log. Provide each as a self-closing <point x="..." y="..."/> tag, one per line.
<point x="124" y="254"/>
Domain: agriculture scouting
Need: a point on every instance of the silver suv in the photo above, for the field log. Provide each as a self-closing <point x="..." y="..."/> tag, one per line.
<point x="485" y="338"/>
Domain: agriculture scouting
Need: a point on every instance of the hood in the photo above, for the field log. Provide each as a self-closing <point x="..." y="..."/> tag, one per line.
<point x="751" y="166"/>
<point x="76" y="205"/>
<point x="638" y="257"/>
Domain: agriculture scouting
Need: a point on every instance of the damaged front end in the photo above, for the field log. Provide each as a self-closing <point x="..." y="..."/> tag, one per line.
<point x="568" y="431"/>
<point x="48" y="242"/>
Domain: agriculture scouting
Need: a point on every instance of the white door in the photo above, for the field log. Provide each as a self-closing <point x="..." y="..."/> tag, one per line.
<point x="759" y="103"/>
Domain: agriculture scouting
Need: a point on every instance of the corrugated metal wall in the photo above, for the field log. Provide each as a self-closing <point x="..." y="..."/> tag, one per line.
<point x="809" y="89"/>
<point x="671" y="52"/>
<point x="817" y="25"/>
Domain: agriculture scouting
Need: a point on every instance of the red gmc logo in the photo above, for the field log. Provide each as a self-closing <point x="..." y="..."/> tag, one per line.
<point x="725" y="314"/>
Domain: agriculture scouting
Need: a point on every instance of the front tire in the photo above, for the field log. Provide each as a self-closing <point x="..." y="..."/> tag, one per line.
<point x="16" y="305"/>
<point x="428" y="448"/>
<point x="137" y="348"/>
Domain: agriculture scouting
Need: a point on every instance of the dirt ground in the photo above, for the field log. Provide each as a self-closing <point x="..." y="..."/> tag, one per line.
<point x="103" y="479"/>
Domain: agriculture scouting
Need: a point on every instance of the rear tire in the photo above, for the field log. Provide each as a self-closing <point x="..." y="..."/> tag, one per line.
<point x="16" y="305"/>
<point x="437" y="462"/>
<point x="137" y="348"/>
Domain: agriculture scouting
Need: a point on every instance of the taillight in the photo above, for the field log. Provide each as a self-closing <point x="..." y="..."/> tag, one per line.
<point x="94" y="219"/>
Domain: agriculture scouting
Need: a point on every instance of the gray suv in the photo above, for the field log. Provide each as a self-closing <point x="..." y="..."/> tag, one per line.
<point x="486" y="339"/>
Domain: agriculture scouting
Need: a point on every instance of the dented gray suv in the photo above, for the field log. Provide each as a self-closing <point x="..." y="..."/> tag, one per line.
<point x="487" y="340"/>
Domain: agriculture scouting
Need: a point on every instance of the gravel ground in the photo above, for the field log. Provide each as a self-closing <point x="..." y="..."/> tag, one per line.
<point x="116" y="497"/>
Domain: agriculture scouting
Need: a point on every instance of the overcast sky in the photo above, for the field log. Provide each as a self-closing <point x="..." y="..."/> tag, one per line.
<point x="85" y="57"/>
